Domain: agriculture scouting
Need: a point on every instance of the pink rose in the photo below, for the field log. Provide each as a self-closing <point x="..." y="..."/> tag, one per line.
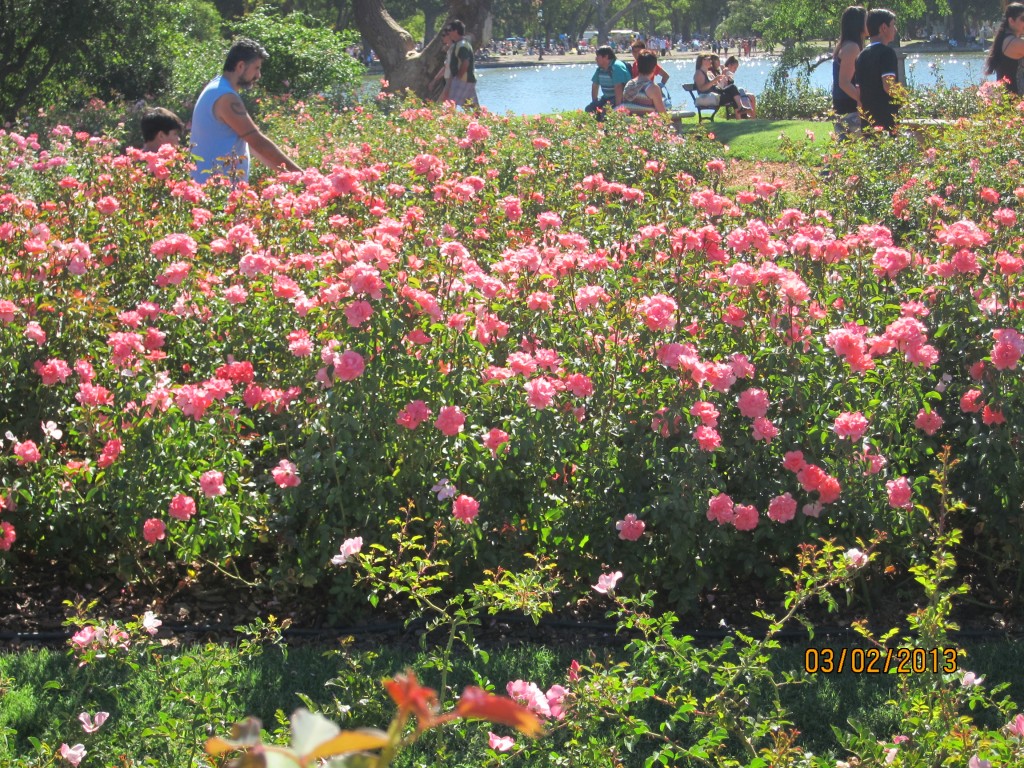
<point x="855" y="558"/>
<point x="27" y="452"/>
<point x="494" y="440"/>
<point x="212" y="483"/>
<point x="450" y="420"/>
<point x="465" y="508"/>
<point x="850" y="426"/>
<point x="92" y="724"/>
<point x="969" y="402"/>
<point x="753" y="403"/>
<point x="349" y="548"/>
<point x="73" y="754"/>
<point x="900" y="493"/>
<point x="540" y="393"/>
<point x="34" y="332"/>
<point x="707" y="438"/>
<point x="349" y="366"/>
<point x="631" y="528"/>
<point x="500" y="743"/>
<point x="721" y="509"/>
<point x="764" y="429"/>
<point x="794" y="461"/>
<point x="153" y="530"/>
<point x="746" y="517"/>
<point x="7" y="536"/>
<point x="1016" y="727"/>
<point x="286" y="474"/>
<point x="782" y="509"/>
<point x="706" y="412"/>
<point x="182" y="507"/>
<point x="928" y="422"/>
<point x="606" y="582"/>
<point x="556" y="696"/>
<point x="414" y="414"/>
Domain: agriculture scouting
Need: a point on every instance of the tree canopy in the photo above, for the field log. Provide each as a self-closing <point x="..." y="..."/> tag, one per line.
<point x="57" y="51"/>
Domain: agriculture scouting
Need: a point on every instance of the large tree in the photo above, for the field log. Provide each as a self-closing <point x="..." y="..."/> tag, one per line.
<point x="61" y="52"/>
<point x="792" y="22"/>
<point x="37" y="37"/>
<point x="405" y="69"/>
<point x="607" y="17"/>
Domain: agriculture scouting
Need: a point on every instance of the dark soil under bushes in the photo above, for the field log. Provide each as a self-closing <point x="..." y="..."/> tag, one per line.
<point x="36" y="612"/>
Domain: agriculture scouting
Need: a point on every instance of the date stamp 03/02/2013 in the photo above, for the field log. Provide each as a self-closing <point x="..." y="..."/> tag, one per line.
<point x="880" y="661"/>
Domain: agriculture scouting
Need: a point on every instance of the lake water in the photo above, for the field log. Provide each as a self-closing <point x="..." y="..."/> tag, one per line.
<point x="554" y="88"/>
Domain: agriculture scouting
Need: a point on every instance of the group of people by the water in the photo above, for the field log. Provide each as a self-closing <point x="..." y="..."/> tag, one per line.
<point x="710" y="77"/>
<point x="865" y="90"/>
<point x="615" y="84"/>
<point x="865" y="69"/>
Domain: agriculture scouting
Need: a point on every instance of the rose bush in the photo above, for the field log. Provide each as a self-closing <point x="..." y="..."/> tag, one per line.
<point x="567" y="327"/>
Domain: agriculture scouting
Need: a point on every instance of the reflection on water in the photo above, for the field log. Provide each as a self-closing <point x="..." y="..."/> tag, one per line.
<point x="542" y="89"/>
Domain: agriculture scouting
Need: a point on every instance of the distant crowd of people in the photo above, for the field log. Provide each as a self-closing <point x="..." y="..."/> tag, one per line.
<point x="615" y="84"/>
<point x="744" y="46"/>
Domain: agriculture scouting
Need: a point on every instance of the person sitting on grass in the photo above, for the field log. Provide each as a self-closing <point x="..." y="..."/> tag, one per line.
<point x="160" y="126"/>
<point x="610" y="78"/>
<point x="640" y="95"/>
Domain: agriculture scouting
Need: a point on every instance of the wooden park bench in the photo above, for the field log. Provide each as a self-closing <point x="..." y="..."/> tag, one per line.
<point x="706" y="102"/>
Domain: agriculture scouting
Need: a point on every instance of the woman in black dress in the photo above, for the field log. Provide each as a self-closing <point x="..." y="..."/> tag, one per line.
<point x="1004" y="60"/>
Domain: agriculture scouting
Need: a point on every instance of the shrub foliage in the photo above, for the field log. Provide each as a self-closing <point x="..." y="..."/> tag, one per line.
<point x="548" y="340"/>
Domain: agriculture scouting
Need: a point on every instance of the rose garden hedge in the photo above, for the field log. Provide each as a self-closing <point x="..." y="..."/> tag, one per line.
<point x="527" y="337"/>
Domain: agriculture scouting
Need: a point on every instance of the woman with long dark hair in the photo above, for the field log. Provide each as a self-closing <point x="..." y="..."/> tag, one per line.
<point x="1004" y="60"/>
<point x="709" y="80"/>
<point x="845" y="92"/>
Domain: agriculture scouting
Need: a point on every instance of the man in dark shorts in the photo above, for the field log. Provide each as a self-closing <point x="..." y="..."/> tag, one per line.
<point x="876" y="71"/>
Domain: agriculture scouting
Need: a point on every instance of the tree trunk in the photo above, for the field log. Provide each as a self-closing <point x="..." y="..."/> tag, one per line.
<point x="404" y="68"/>
<point x="956" y="29"/>
<point x="605" y="23"/>
<point x="430" y="25"/>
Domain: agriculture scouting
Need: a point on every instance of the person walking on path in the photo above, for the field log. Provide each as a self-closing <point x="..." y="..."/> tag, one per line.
<point x="1006" y="58"/>
<point x="876" y="69"/>
<point x="845" y="91"/>
<point x="222" y="131"/>
<point x="461" y="85"/>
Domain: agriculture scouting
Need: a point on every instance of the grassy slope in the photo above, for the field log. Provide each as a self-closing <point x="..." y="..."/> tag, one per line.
<point x="758" y="140"/>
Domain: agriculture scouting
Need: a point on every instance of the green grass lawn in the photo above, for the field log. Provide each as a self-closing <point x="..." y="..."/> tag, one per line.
<point x="758" y="140"/>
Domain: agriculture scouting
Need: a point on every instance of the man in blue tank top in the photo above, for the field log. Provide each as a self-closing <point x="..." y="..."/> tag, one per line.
<point x="222" y="131"/>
